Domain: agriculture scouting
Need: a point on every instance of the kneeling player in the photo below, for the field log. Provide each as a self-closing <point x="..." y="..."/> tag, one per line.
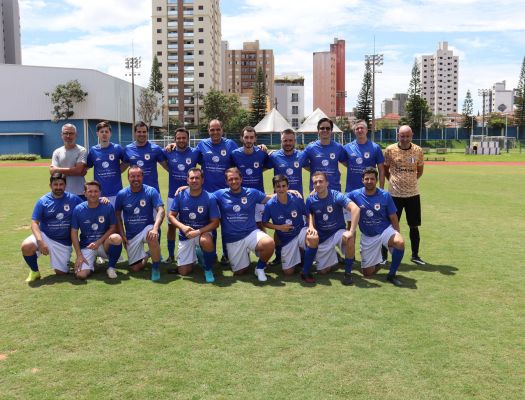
<point x="195" y="213"/>
<point x="288" y="214"/>
<point x="379" y="226"/>
<point x="97" y="224"/>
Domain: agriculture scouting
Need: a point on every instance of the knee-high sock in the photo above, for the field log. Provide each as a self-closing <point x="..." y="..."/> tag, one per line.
<point x="309" y="257"/>
<point x="32" y="262"/>
<point x="113" y="254"/>
<point x="414" y="240"/>
<point x="171" y="248"/>
<point x="224" y="249"/>
<point x="397" y="256"/>
<point x="348" y="265"/>
<point x="261" y="264"/>
<point x="209" y="259"/>
<point x="278" y="249"/>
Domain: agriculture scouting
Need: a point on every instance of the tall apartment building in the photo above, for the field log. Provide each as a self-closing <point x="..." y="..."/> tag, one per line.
<point x="499" y="99"/>
<point x="187" y="41"/>
<point x="10" y="47"/>
<point x="395" y="105"/>
<point x="439" y="80"/>
<point x="289" y="97"/>
<point x="241" y="70"/>
<point x="329" y="80"/>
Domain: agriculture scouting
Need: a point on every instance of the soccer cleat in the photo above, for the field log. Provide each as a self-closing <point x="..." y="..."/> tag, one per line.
<point x="100" y="260"/>
<point x="169" y="260"/>
<point x="33" y="276"/>
<point x="276" y="261"/>
<point x="208" y="274"/>
<point x="261" y="275"/>
<point x="348" y="280"/>
<point x="393" y="280"/>
<point x="112" y="273"/>
<point x="383" y="261"/>
<point x="155" y="274"/>
<point x="224" y="260"/>
<point x="308" y="278"/>
<point x="417" y="260"/>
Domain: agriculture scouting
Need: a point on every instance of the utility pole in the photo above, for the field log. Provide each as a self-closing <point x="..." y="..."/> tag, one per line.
<point x="133" y="63"/>
<point x="374" y="60"/>
<point x="483" y="93"/>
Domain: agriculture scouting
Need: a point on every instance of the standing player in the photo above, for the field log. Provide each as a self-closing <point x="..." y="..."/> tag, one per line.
<point x="195" y="213"/>
<point x="325" y="155"/>
<point x="136" y="205"/>
<point x="106" y="158"/>
<point x="70" y="160"/>
<point x="97" y="225"/>
<point x="288" y="213"/>
<point x="181" y="158"/>
<point x="325" y="208"/>
<point x="379" y="226"/>
<point x="239" y="230"/>
<point x="403" y="168"/>
<point x="51" y="224"/>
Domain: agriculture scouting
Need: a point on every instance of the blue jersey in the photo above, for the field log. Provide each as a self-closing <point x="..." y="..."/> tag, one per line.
<point x="195" y="211"/>
<point x="290" y="166"/>
<point x="146" y="157"/>
<point x="251" y="167"/>
<point x="238" y="212"/>
<point x="54" y="216"/>
<point x="327" y="212"/>
<point x="214" y="160"/>
<point x="375" y="210"/>
<point x="137" y="208"/>
<point x="179" y="162"/>
<point x="360" y="156"/>
<point x="326" y="159"/>
<point x="106" y="171"/>
<point x="92" y="222"/>
<point x="291" y="213"/>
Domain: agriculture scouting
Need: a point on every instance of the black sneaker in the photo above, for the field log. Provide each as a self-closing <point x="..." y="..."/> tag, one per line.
<point x="417" y="260"/>
<point x="308" y="278"/>
<point x="276" y="261"/>
<point x="393" y="280"/>
<point x="347" y="279"/>
<point x="169" y="260"/>
<point x="224" y="260"/>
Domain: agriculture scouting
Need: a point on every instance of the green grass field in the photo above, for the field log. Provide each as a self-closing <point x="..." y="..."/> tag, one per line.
<point x="455" y="331"/>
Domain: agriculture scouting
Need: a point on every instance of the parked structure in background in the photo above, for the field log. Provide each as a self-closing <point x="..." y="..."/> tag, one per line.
<point x="499" y="99"/>
<point x="329" y="80"/>
<point x="395" y="105"/>
<point x="289" y="97"/>
<point x="10" y="48"/>
<point x="187" y="41"/>
<point x="240" y="70"/>
<point x="439" y="80"/>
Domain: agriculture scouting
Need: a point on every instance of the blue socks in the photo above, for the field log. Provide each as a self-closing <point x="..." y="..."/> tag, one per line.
<point x="309" y="257"/>
<point x="397" y="256"/>
<point x="278" y="249"/>
<point x="114" y="254"/>
<point x="32" y="262"/>
<point x="348" y="265"/>
<point x="171" y="248"/>
<point x="209" y="259"/>
<point x="261" y="264"/>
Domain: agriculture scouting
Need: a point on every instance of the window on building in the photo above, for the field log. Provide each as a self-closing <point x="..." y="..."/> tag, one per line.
<point x="201" y="74"/>
<point x="201" y="85"/>
<point x="295" y="97"/>
<point x="159" y="41"/>
<point x="201" y="29"/>
<point x="201" y="7"/>
<point x="295" y="122"/>
<point x="159" y="19"/>
<point x="159" y="53"/>
<point x="295" y="110"/>
<point x="201" y="40"/>
<point x="201" y="18"/>
<point x="201" y="52"/>
<point x="201" y="63"/>
<point x="159" y="8"/>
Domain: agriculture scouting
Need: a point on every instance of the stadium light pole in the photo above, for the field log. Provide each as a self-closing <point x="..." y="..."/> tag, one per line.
<point x="133" y="63"/>
<point x="483" y="93"/>
<point x="374" y="60"/>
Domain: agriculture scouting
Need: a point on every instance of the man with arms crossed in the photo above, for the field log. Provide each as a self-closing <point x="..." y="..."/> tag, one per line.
<point x="288" y="214"/>
<point x="97" y="225"/>
<point x="379" y="226"/>
<point x="195" y="213"/>
<point x="403" y="168"/>
<point x="136" y="204"/>
<point x="325" y="208"/>
<point x="51" y="225"/>
<point x="70" y="160"/>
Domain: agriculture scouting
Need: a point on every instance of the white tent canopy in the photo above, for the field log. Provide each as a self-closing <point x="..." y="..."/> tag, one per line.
<point x="310" y="124"/>
<point x="272" y="122"/>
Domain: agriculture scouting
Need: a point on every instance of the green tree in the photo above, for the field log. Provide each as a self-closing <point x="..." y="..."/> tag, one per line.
<point x="364" y="100"/>
<point x="259" y="95"/>
<point x="148" y="107"/>
<point x="221" y="106"/>
<point x="468" y="113"/>
<point x="519" y="102"/>
<point x="239" y="121"/>
<point x="155" y="79"/>
<point x="437" y="121"/>
<point x="417" y="112"/>
<point x="496" y="121"/>
<point x="343" y="123"/>
<point x="64" y="97"/>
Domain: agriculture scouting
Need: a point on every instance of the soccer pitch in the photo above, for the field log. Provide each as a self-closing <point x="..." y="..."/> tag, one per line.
<point x="454" y="331"/>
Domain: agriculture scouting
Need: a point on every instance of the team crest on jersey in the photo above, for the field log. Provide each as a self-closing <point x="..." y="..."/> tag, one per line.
<point x="105" y="164"/>
<point x="215" y="159"/>
<point x="289" y="171"/>
<point x="256" y="164"/>
<point x="377" y="206"/>
<point x="180" y="167"/>
<point x="112" y="157"/>
<point x="200" y="209"/>
<point x="366" y="155"/>
<point x="94" y="227"/>
<point x="329" y="209"/>
<point x="244" y="200"/>
<point x="146" y="157"/>
<point x="369" y="213"/>
<point x="188" y="161"/>
<point x="296" y="164"/>
<point x="192" y="215"/>
<point x="325" y="217"/>
<point x="223" y="152"/>
<point x="332" y="156"/>
<point x="294" y="214"/>
<point x="60" y="216"/>
<point x="66" y="207"/>
<point x="236" y="208"/>
<point x="142" y="203"/>
<point x="140" y="163"/>
<point x="359" y="160"/>
<point x="324" y="163"/>
<point x="249" y="171"/>
<point x="101" y="219"/>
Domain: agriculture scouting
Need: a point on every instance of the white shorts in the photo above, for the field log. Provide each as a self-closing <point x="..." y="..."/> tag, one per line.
<point x="371" y="247"/>
<point x="239" y="252"/>
<point x="186" y="251"/>
<point x="136" y="246"/>
<point x="291" y="253"/>
<point x="259" y="211"/>
<point x="169" y="203"/>
<point x="348" y="215"/>
<point x="326" y="254"/>
<point x="91" y="256"/>
<point x="59" y="254"/>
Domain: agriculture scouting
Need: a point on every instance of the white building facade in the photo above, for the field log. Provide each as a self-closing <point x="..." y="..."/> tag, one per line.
<point x="289" y="97"/>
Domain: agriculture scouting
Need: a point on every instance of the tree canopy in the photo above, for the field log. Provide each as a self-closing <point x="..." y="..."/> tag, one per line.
<point x="64" y="97"/>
